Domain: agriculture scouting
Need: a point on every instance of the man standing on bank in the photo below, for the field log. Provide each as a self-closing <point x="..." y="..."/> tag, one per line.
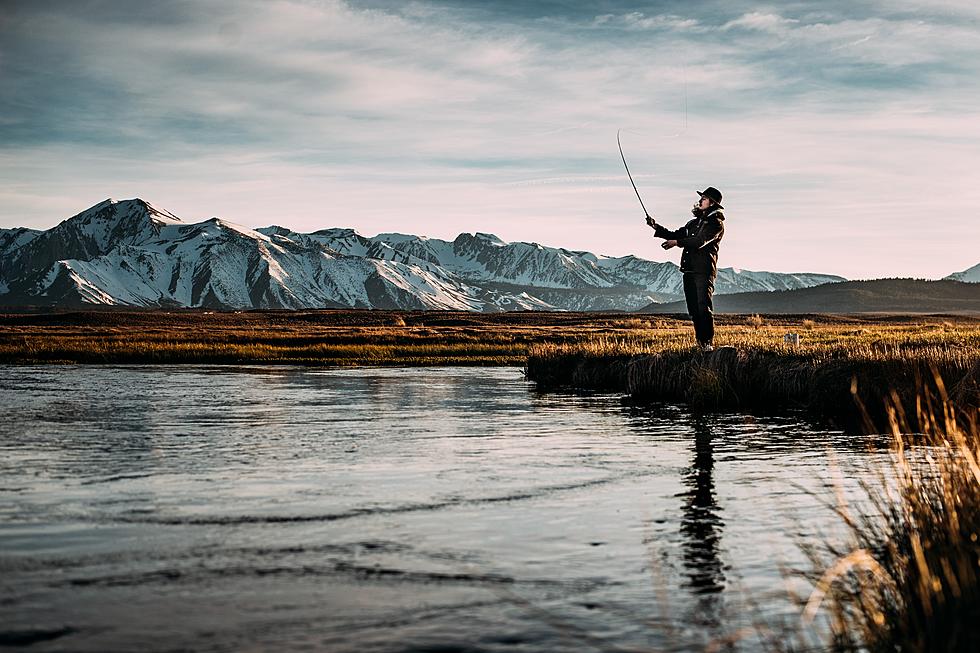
<point x="700" y="239"/>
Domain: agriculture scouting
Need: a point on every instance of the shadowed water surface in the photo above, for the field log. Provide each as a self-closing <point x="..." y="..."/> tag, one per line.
<point x="424" y="509"/>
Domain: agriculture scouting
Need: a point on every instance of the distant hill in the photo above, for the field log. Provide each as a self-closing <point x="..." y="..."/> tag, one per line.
<point x="877" y="296"/>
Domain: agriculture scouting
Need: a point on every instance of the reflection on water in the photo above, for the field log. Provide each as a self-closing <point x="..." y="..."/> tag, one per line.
<point x="702" y="527"/>
<point x="701" y="523"/>
<point x="387" y="510"/>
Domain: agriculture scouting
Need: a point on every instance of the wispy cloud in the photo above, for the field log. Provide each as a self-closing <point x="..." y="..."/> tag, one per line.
<point x="762" y="22"/>
<point x="639" y="21"/>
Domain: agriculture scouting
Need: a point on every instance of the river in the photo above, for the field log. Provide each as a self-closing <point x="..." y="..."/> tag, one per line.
<point x="425" y="509"/>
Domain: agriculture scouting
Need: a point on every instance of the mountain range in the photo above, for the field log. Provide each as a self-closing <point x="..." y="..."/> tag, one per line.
<point x="130" y="253"/>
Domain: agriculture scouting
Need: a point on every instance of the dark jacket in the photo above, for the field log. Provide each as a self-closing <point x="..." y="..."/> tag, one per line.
<point x="699" y="238"/>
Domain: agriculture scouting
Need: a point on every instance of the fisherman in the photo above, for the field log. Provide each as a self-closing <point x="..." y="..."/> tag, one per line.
<point x="700" y="239"/>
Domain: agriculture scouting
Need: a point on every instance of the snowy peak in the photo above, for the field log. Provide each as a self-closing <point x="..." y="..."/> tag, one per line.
<point x="395" y="238"/>
<point x="111" y="215"/>
<point x="156" y="215"/>
<point x="89" y="234"/>
<point x="218" y="228"/>
<point x="477" y="239"/>
<point x="485" y="257"/>
<point x="970" y="275"/>
<point x="343" y="241"/>
<point x="430" y="250"/>
<point x="109" y="223"/>
<point x="489" y="239"/>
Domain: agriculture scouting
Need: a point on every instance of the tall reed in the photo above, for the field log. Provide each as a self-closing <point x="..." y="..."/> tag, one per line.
<point x="908" y="576"/>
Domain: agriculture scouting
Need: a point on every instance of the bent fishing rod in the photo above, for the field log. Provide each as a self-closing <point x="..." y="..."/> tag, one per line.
<point x="650" y="221"/>
<point x="647" y="214"/>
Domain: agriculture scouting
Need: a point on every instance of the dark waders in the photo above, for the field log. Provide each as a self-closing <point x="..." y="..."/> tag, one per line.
<point x="698" y="289"/>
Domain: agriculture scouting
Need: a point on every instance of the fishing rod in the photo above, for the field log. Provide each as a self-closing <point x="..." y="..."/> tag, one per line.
<point x="650" y="221"/>
<point x="645" y="212"/>
<point x="618" y="142"/>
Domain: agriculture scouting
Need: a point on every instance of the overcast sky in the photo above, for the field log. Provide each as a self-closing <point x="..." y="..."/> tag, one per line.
<point x="844" y="135"/>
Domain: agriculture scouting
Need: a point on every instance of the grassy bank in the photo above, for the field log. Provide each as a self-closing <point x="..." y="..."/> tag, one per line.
<point x="753" y="369"/>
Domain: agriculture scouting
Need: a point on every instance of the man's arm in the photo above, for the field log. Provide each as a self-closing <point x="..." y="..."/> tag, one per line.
<point x="710" y="231"/>
<point x="662" y="232"/>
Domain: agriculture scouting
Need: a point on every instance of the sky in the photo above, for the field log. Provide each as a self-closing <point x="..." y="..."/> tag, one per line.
<point x="843" y="135"/>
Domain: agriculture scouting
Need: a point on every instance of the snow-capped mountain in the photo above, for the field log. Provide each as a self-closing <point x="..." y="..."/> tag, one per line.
<point x="484" y="258"/>
<point x="970" y="275"/>
<point x="133" y="254"/>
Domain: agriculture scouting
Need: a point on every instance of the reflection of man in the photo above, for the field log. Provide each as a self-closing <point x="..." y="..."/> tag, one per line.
<point x="701" y="529"/>
<point x="700" y="239"/>
<point x="701" y="522"/>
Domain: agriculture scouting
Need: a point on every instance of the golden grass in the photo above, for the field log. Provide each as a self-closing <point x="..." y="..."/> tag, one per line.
<point x="760" y="372"/>
<point x="373" y="335"/>
<point x="908" y="578"/>
<point x="263" y="338"/>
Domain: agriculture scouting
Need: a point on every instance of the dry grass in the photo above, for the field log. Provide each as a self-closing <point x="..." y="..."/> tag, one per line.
<point x="309" y="338"/>
<point x="908" y="579"/>
<point x="330" y="346"/>
<point x="760" y="372"/>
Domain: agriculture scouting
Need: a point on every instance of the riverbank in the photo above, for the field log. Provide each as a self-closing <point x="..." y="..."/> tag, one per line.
<point x="651" y="358"/>
<point x="835" y="368"/>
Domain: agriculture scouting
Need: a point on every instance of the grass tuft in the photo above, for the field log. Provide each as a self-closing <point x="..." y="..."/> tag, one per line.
<point x="908" y="578"/>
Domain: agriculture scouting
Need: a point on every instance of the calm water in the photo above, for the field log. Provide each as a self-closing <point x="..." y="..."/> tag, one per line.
<point x="442" y="509"/>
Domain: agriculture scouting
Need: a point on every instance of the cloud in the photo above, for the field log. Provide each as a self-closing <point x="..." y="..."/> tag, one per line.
<point x="438" y="118"/>
<point x="636" y="20"/>
<point x="761" y="21"/>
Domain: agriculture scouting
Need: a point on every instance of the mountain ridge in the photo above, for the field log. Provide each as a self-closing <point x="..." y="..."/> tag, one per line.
<point x="131" y="253"/>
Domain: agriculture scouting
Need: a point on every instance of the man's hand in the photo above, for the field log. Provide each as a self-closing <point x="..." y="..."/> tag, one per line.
<point x="651" y="222"/>
<point x="667" y="244"/>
